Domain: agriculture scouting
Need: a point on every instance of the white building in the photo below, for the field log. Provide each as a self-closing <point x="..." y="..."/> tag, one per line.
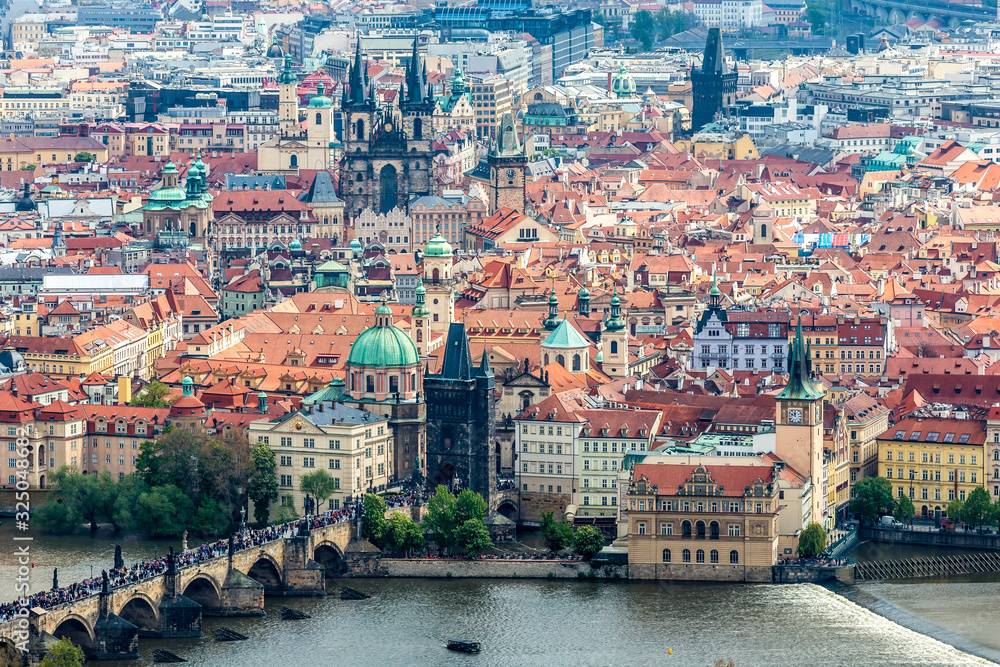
<point x="729" y="14"/>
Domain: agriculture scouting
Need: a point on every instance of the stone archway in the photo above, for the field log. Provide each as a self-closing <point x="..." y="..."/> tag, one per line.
<point x="388" y="188"/>
<point x="204" y="591"/>
<point x="77" y="630"/>
<point x="508" y="508"/>
<point x="266" y="573"/>
<point x="445" y="475"/>
<point x="141" y="612"/>
<point x="331" y="558"/>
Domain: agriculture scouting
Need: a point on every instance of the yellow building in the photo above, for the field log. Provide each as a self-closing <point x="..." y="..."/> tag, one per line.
<point x="719" y="147"/>
<point x="353" y="446"/>
<point x="62" y="358"/>
<point x="18" y="152"/>
<point x="933" y="461"/>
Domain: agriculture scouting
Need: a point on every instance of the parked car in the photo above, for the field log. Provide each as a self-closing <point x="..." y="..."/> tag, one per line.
<point x="889" y="522"/>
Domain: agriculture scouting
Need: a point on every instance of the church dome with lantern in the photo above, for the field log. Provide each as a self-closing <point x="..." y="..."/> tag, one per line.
<point x="383" y="345"/>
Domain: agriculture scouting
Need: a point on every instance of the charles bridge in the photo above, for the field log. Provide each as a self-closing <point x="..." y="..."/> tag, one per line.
<point x="108" y="625"/>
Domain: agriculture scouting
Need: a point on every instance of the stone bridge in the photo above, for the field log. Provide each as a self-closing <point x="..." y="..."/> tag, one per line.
<point x="108" y="625"/>
<point x="899" y="11"/>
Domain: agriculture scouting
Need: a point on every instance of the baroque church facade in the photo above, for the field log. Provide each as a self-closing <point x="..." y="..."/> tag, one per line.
<point x="387" y="157"/>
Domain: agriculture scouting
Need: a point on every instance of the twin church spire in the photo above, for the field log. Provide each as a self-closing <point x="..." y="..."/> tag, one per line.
<point x="359" y="91"/>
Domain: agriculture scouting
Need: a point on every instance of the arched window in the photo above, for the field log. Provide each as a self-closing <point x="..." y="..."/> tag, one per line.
<point x="418" y="130"/>
<point x="359" y="129"/>
<point x="546" y="359"/>
<point x="576" y="362"/>
<point x="370" y="383"/>
<point x="763" y="231"/>
<point x="686" y="555"/>
<point x="435" y="275"/>
<point x="734" y="557"/>
<point x="666" y="555"/>
<point x="686" y="529"/>
<point x="319" y="119"/>
<point x="420" y="335"/>
<point x="293" y="161"/>
<point x="713" y="557"/>
<point x="614" y="347"/>
<point x="561" y="360"/>
<point x="701" y="530"/>
<point x="996" y="454"/>
<point x="714" y="530"/>
<point x="699" y="556"/>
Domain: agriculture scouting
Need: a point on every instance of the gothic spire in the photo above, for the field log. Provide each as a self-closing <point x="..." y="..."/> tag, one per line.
<point x="800" y="386"/>
<point x="358" y="79"/>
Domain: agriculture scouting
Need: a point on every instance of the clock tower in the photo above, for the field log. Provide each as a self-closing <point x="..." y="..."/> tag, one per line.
<point x="799" y="422"/>
<point x="507" y="164"/>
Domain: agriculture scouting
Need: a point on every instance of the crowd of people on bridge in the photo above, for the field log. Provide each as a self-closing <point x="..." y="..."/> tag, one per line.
<point x="245" y="538"/>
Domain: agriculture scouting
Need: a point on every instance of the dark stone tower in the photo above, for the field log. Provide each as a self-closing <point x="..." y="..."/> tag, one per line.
<point x="712" y="88"/>
<point x="460" y="419"/>
<point x="387" y="151"/>
<point x="507" y="163"/>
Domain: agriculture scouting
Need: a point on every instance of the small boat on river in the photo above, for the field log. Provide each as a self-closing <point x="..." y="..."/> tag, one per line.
<point x="463" y="646"/>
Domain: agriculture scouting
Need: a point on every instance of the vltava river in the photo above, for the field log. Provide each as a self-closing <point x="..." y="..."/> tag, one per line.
<point x="535" y="623"/>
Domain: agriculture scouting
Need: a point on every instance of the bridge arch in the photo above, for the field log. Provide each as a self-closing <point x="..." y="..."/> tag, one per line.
<point x="331" y="557"/>
<point x="266" y="571"/>
<point x="204" y="590"/>
<point x="508" y="508"/>
<point x="77" y="629"/>
<point x="142" y="612"/>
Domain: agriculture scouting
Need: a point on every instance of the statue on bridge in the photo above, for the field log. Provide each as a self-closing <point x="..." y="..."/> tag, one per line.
<point x="119" y="561"/>
<point x="105" y="582"/>
<point x="55" y="578"/>
<point x="184" y="542"/>
<point x="232" y="546"/>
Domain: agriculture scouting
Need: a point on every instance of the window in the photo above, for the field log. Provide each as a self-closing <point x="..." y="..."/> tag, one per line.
<point x="713" y="556"/>
<point x="734" y="530"/>
<point x="642" y="528"/>
<point x="734" y="557"/>
<point x="666" y="555"/>
<point x="699" y="556"/>
<point x="686" y="556"/>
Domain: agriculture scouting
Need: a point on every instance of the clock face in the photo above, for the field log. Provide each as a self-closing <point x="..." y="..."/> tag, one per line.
<point x="388" y="127"/>
<point x="795" y="415"/>
<point x="511" y="174"/>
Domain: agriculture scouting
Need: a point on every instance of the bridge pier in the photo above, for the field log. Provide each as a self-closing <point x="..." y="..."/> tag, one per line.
<point x="114" y="637"/>
<point x="178" y="616"/>
<point x="301" y="574"/>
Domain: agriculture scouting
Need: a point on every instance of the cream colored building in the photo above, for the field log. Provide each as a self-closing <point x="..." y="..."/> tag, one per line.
<point x="353" y="446"/>
<point x="295" y="148"/>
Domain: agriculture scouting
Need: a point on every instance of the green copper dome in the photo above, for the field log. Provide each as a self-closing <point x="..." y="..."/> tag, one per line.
<point x="437" y="247"/>
<point x="383" y="346"/>
<point x="356" y="245"/>
<point x="295" y="245"/>
<point x="383" y="310"/>
<point x="321" y="101"/>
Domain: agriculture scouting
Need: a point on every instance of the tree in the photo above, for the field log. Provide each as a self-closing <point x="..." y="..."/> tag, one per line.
<point x="954" y="510"/>
<point x="474" y="537"/>
<point x="643" y="29"/>
<point x="904" y="509"/>
<point x="374" y="520"/>
<point x="154" y="395"/>
<point x="77" y="499"/>
<point x="28" y="167"/>
<point x="319" y="484"/>
<point x="670" y="23"/>
<point x="84" y="156"/>
<point x="587" y="541"/>
<point x="872" y="499"/>
<point x="64" y="653"/>
<point x="817" y="17"/>
<point x="403" y="533"/>
<point x="556" y="534"/>
<point x="262" y="487"/>
<point x="211" y="518"/>
<point x="812" y="540"/>
<point x="439" y="521"/>
<point x="978" y="508"/>
<point x="164" y="511"/>
<point x="469" y="505"/>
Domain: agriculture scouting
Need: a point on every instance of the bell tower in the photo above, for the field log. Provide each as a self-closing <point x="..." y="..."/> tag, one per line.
<point x="288" y="103"/>
<point x="420" y="320"/>
<point x="799" y="421"/>
<point x="614" y="342"/>
<point x="507" y="164"/>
